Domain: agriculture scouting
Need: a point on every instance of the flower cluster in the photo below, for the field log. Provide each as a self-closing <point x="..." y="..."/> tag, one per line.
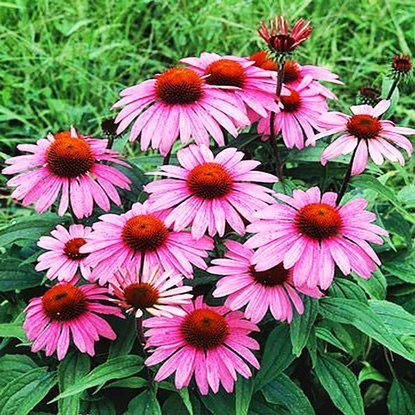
<point x="278" y="248"/>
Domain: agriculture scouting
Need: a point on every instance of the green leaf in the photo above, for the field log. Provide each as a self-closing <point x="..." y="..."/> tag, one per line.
<point x="368" y="372"/>
<point x="401" y="398"/>
<point x="117" y="368"/>
<point x="26" y="391"/>
<point x="301" y="325"/>
<point x="344" y="288"/>
<point x="220" y="403"/>
<point x="12" y="330"/>
<point x="341" y="385"/>
<point x="102" y="406"/>
<point x="277" y="356"/>
<point x="28" y="229"/>
<point x="283" y="391"/>
<point x="361" y="316"/>
<point x="134" y="382"/>
<point x="14" y="365"/>
<point x="375" y="286"/>
<point x="369" y="182"/>
<point x="174" y="405"/>
<point x="402" y="267"/>
<point x="74" y="366"/>
<point x="144" y="404"/>
<point x="243" y="394"/>
<point x="325" y="334"/>
<point x="394" y="317"/>
<point x="17" y="276"/>
<point x="126" y="335"/>
<point x="184" y="394"/>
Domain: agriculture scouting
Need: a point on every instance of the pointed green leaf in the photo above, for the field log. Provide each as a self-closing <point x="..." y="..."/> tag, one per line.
<point x="283" y="391"/>
<point x="401" y="398"/>
<point x="341" y="385"/>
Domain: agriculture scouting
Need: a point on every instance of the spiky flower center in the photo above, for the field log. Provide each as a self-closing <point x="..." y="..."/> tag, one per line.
<point x="68" y="156"/>
<point x="209" y="181"/>
<point x="319" y="221"/>
<point x="281" y="43"/>
<point x="144" y="233"/>
<point x="363" y="126"/>
<point x="291" y="102"/>
<point x="141" y="295"/>
<point x="401" y="64"/>
<point x="277" y="275"/>
<point x="225" y="72"/>
<point x="71" y="249"/>
<point x="64" y="302"/>
<point x="204" y="329"/>
<point x="291" y="71"/>
<point x="179" y="86"/>
<point x="262" y="60"/>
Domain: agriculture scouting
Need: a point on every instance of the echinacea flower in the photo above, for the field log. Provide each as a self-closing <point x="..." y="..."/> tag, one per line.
<point x="294" y="73"/>
<point x="401" y="66"/>
<point x="272" y="289"/>
<point x="121" y="241"/>
<point x="209" y="191"/>
<point x="369" y="95"/>
<point x="66" y="311"/>
<point x="253" y="88"/>
<point x="74" y="166"/>
<point x="154" y="291"/>
<point x="281" y="39"/>
<point x="178" y="104"/>
<point x="209" y="343"/>
<point x="310" y="234"/>
<point x="63" y="259"/>
<point x="366" y="134"/>
<point x="300" y="109"/>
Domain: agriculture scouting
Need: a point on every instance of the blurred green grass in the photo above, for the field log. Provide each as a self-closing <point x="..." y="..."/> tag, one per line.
<point x="63" y="62"/>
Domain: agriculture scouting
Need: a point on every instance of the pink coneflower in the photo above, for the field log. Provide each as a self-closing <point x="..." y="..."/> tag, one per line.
<point x="178" y="104"/>
<point x="154" y="291"/>
<point x="364" y="130"/>
<point x="253" y="88"/>
<point x="311" y="234"/>
<point x="210" y="343"/>
<point x="66" y="311"/>
<point x="120" y="241"/>
<point x="281" y="39"/>
<point x="401" y="65"/>
<point x="72" y="165"/>
<point x="272" y="289"/>
<point x="300" y="110"/>
<point x="63" y="259"/>
<point x="294" y="73"/>
<point x="209" y="191"/>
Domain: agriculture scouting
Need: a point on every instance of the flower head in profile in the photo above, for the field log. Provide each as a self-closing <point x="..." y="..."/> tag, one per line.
<point x="208" y="343"/>
<point x="154" y="291"/>
<point x="365" y="133"/>
<point x="251" y="87"/>
<point x="70" y="165"/>
<point x="178" y="103"/>
<point x="122" y="241"/>
<point x="260" y="291"/>
<point x="310" y="234"/>
<point x="66" y="311"/>
<point x="300" y="109"/>
<point x="63" y="259"/>
<point x="281" y="39"/>
<point x="208" y="191"/>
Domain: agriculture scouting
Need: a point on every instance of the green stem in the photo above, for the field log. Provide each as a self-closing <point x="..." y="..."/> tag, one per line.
<point x="347" y="176"/>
